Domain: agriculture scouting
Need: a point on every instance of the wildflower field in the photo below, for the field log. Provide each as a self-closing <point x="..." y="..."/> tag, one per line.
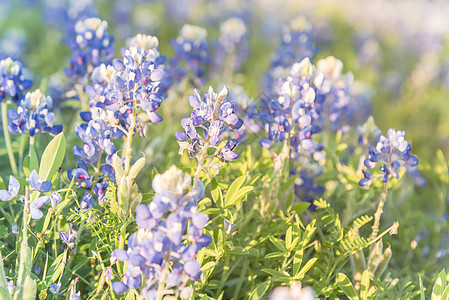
<point x="224" y="149"/>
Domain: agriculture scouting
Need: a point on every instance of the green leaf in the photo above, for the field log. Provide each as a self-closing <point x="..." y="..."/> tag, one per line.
<point x="56" y="268"/>
<point x="208" y="266"/>
<point x="288" y="238"/>
<point x="259" y="291"/>
<point x="278" y="243"/>
<point x="301" y="207"/>
<point x="26" y="166"/>
<point x="4" y="292"/>
<point x="217" y="196"/>
<point x="130" y="296"/>
<point x="439" y="286"/>
<point x="445" y="295"/>
<point x="52" y="157"/>
<point x="275" y="273"/>
<point x="274" y="255"/>
<point x="306" y="268"/>
<point x="346" y="286"/>
<point x="297" y="260"/>
<point x="34" y="160"/>
<point x="364" y="285"/>
<point x="235" y="186"/>
<point x="239" y="195"/>
<point x="421" y="289"/>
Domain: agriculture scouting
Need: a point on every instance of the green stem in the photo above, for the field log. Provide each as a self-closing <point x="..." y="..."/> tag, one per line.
<point x="239" y="284"/>
<point x="12" y="159"/>
<point x="129" y="140"/>
<point x="161" y="286"/>
<point x="21" y="151"/>
<point x="83" y="97"/>
<point x="378" y="213"/>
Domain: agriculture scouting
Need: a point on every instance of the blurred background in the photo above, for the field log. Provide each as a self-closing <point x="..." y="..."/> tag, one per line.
<point x="397" y="50"/>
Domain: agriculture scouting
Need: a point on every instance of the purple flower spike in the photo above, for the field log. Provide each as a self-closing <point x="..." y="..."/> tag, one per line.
<point x="36" y="183"/>
<point x="13" y="190"/>
<point x="393" y="151"/>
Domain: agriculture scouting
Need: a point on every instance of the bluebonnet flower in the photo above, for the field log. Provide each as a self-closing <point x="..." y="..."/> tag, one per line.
<point x="118" y="94"/>
<point x="296" y="44"/>
<point x="231" y="49"/>
<point x="67" y="238"/>
<point x="13" y="82"/>
<point x="293" y="113"/>
<point x="11" y="286"/>
<point x="33" y="115"/>
<point x="228" y="226"/>
<point x="391" y="152"/>
<point x="13" y="189"/>
<point x="341" y="106"/>
<point x="55" y="288"/>
<point x="80" y="177"/>
<point x="169" y="234"/>
<point x="37" y="184"/>
<point x="36" y="205"/>
<point x="211" y="115"/>
<point x="144" y="41"/>
<point x="100" y="190"/>
<point x="91" y="47"/>
<point x="191" y="54"/>
<point x="87" y="202"/>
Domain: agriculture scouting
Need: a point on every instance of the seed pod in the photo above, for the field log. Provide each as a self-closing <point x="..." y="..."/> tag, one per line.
<point x="383" y="262"/>
<point x="374" y="257"/>
<point x="118" y="168"/>
<point x="135" y="169"/>
<point x="29" y="288"/>
<point x="358" y="265"/>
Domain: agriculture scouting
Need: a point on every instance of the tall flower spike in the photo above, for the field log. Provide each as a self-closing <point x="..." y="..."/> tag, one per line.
<point x="296" y="44"/>
<point x="162" y="252"/>
<point x="391" y="153"/>
<point x="210" y="116"/>
<point x="13" y="82"/>
<point x="232" y="46"/>
<point x="33" y="115"/>
<point x="91" y="47"/>
<point x="191" y="54"/>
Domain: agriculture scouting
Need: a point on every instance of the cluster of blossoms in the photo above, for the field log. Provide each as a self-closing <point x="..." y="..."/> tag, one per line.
<point x="293" y="114"/>
<point x="161" y="254"/>
<point x="343" y="106"/>
<point x="33" y="115"/>
<point x="296" y="44"/>
<point x="13" y="82"/>
<point x="190" y="54"/>
<point x="232" y="46"/>
<point x="391" y="152"/>
<point x="35" y="184"/>
<point x="118" y="91"/>
<point x="212" y="115"/>
<point x="91" y="47"/>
